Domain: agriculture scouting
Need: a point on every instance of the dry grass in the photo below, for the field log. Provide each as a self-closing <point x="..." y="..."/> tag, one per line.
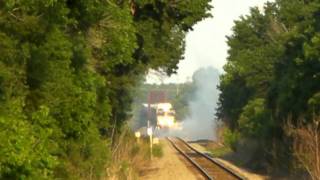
<point x="306" y="146"/>
<point x="128" y="157"/>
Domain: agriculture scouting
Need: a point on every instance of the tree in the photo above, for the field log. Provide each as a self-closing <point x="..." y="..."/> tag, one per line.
<point x="272" y="73"/>
<point x="67" y="70"/>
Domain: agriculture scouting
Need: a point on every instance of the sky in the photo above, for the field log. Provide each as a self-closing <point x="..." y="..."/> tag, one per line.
<point x="206" y="44"/>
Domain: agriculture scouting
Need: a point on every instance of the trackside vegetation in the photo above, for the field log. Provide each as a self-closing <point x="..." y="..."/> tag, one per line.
<point x="272" y="78"/>
<point x="67" y="72"/>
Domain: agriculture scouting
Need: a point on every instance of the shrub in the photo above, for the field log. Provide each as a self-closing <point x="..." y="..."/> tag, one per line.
<point x="231" y="138"/>
<point x="255" y="120"/>
<point x="128" y="156"/>
<point x="157" y="150"/>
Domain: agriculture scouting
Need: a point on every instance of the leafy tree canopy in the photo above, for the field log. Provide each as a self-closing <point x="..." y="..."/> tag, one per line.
<point x="67" y="72"/>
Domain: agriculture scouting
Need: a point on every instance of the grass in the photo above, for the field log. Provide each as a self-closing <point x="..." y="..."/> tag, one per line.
<point x="157" y="150"/>
<point x="130" y="156"/>
<point x="220" y="151"/>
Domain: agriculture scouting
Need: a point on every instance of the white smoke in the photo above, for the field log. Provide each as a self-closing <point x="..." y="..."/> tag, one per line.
<point x="200" y="123"/>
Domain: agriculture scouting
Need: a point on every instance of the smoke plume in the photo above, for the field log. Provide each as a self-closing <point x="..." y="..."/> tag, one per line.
<point x="200" y="122"/>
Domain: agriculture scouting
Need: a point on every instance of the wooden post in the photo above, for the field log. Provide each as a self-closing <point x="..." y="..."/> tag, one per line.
<point x="149" y="132"/>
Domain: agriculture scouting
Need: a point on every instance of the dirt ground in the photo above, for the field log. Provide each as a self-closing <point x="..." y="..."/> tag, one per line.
<point x="172" y="166"/>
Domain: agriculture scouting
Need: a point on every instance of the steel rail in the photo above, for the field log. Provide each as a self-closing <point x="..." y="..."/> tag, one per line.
<point x="202" y="171"/>
<point x="230" y="171"/>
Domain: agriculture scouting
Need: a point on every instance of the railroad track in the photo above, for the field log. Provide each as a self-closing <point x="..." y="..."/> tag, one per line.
<point x="208" y="167"/>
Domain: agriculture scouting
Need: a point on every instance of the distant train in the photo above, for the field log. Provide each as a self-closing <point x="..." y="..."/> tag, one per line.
<point x="165" y="115"/>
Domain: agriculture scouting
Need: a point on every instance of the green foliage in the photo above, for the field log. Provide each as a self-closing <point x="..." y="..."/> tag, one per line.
<point x="161" y="28"/>
<point x="255" y="120"/>
<point x="233" y="97"/>
<point x="220" y="151"/>
<point x="272" y="72"/>
<point x="314" y="103"/>
<point x="67" y="72"/>
<point x="86" y="158"/>
<point x="26" y="149"/>
<point x="157" y="150"/>
<point x="230" y="138"/>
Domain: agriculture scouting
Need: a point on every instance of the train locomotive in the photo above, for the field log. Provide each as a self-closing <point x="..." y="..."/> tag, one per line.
<point x="165" y="115"/>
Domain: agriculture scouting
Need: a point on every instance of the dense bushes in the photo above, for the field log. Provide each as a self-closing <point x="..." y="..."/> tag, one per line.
<point x="255" y="120"/>
<point x="66" y="72"/>
<point x="230" y="138"/>
<point x="272" y="74"/>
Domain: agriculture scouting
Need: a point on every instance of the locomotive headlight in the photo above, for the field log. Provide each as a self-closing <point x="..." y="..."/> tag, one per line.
<point x="170" y="122"/>
<point x="161" y="121"/>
